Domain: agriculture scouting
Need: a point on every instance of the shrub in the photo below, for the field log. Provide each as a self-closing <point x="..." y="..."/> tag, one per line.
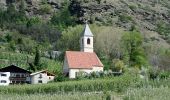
<point x="98" y="1"/>
<point x="60" y="77"/>
<point x="117" y="65"/>
<point x="45" y="9"/>
<point x="80" y="75"/>
<point x="125" y="18"/>
<point x="164" y="74"/>
<point x="153" y="73"/>
<point x="132" y="7"/>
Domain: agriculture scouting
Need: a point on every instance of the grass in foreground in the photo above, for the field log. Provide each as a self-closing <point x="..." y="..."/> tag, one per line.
<point x="117" y="84"/>
<point x="125" y="87"/>
<point x="161" y="93"/>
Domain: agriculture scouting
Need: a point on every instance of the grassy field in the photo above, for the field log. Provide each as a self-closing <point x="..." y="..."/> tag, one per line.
<point x="125" y="87"/>
<point x="161" y="93"/>
<point x="117" y="84"/>
<point x="76" y="96"/>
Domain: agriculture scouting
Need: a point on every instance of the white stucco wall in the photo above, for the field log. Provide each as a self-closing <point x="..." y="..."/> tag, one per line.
<point x="44" y="78"/>
<point x="5" y="78"/>
<point x="50" y="78"/>
<point x="72" y="72"/>
<point x="97" y="69"/>
<point x="36" y="78"/>
<point x="84" y="46"/>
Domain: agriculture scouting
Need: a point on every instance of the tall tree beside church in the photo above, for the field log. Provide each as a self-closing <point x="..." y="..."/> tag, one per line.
<point x="133" y="49"/>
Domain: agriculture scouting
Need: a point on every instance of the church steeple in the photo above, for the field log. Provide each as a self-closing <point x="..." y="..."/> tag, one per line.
<point x="86" y="40"/>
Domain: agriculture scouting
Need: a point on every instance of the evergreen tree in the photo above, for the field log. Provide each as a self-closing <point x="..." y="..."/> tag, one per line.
<point x="37" y="57"/>
<point x="22" y="8"/>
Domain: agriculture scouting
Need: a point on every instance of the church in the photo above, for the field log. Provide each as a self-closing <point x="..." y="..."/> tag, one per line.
<point x="84" y="60"/>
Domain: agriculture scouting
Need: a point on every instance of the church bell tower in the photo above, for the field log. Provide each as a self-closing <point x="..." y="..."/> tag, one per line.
<point x="86" y="40"/>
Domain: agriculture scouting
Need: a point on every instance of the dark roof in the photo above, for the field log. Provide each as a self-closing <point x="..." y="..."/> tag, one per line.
<point x="14" y="69"/>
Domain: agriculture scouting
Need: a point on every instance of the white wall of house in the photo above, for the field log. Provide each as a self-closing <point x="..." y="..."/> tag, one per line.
<point x="98" y="69"/>
<point x="50" y="78"/>
<point x="72" y="72"/>
<point x="41" y="78"/>
<point x="4" y="78"/>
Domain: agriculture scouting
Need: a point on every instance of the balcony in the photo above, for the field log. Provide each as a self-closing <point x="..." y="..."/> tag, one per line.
<point x="17" y="78"/>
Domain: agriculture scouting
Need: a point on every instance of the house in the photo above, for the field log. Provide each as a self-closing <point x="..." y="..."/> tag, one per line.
<point x="14" y="75"/>
<point x="41" y="77"/>
<point x="84" y="60"/>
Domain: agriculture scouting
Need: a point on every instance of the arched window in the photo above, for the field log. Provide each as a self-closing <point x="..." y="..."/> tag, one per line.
<point x="88" y="41"/>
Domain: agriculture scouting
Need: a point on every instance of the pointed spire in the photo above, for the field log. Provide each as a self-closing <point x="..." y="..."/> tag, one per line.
<point x="87" y="31"/>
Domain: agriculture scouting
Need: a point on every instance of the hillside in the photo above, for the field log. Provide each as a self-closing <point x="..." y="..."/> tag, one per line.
<point x="148" y="16"/>
<point x="50" y="24"/>
<point x="127" y="44"/>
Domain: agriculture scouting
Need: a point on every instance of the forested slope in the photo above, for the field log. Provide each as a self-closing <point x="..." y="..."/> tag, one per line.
<point x="56" y="25"/>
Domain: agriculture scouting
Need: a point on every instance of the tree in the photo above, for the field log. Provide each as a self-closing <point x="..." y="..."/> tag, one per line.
<point x="70" y="38"/>
<point x="22" y="7"/>
<point x="63" y="19"/>
<point x="31" y="67"/>
<point x="133" y="48"/>
<point x="107" y="42"/>
<point x="37" y="57"/>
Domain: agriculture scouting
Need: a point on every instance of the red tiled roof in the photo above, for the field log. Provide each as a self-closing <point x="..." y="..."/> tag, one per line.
<point x="84" y="60"/>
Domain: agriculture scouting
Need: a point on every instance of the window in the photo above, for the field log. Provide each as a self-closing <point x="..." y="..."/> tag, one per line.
<point x="88" y="41"/>
<point x="40" y="76"/>
<point x="3" y="75"/>
<point x="13" y="82"/>
<point x="3" y="81"/>
<point x="17" y="75"/>
<point x="27" y="75"/>
<point x="12" y="75"/>
<point x="22" y="75"/>
<point x="39" y="81"/>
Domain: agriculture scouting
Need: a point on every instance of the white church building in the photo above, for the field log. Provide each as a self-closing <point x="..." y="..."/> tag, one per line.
<point x="85" y="60"/>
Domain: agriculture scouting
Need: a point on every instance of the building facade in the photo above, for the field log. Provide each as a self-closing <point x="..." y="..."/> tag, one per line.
<point x="41" y="77"/>
<point x="14" y="75"/>
<point x="4" y="78"/>
<point x="86" y="40"/>
<point x="84" y="60"/>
